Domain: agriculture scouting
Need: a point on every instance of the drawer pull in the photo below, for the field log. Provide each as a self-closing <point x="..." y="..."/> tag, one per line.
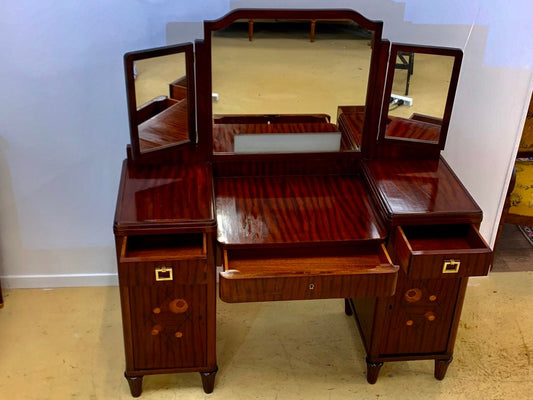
<point x="451" y="266"/>
<point x="163" y="274"/>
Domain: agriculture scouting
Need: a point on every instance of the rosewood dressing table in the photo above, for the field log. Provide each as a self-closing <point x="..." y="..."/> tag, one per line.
<point x="292" y="204"/>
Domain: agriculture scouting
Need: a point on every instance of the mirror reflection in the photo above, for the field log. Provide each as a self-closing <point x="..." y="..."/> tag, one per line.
<point x="159" y="99"/>
<point x="418" y="95"/>
<point x="280" y="74"/>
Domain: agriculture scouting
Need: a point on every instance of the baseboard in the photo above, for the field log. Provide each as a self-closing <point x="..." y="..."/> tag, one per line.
<point x="58" y="280"/>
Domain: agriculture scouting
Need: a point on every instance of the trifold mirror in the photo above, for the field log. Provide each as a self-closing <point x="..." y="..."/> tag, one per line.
<point x="290" y="81"/>
<point x="419" y="94"/>
<point x="161" y="98"/>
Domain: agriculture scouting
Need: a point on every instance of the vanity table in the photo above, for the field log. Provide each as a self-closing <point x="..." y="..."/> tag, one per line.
<point x="380" y="221"/>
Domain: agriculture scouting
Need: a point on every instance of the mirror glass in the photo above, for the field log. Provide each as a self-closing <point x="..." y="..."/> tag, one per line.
<point x="420" y="91"/>
<point x="277" y="74"/>
<point x="160" y="101"/>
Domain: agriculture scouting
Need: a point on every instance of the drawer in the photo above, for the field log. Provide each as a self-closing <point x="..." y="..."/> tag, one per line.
<point x="163" y="260"/>
<point x="440" y="251"/>
<point x="302" y="274"/>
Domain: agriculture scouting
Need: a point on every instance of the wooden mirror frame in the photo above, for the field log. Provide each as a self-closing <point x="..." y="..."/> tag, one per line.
<point x="129" y="61"/>
<point x="433" y="148"/>
<point x="374" y="86"/>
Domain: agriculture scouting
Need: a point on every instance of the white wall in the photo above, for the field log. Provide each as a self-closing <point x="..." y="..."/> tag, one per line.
<point x="63" y="122"/>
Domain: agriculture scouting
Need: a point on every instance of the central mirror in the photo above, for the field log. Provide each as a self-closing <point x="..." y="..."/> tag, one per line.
<point x="278" y="82"/>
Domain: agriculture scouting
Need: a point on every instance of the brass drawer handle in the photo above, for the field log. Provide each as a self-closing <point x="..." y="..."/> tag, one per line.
<point x="451" y="266"/>
<point x="163" y="274"/>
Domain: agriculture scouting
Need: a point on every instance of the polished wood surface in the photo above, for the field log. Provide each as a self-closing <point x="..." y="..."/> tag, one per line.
<point x="412" y="129"/>
<point x="166" y="128"/>
<point x="295" y="211"/>
<point x="426" y="191"/>
<point x="146" y="193"/>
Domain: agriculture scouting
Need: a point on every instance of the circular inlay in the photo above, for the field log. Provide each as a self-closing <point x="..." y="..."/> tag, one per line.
<point x="413" y="295"/>
<point x="409" y="322"/>
<point x="430" y="316"/>
<point x="178" y="334"/>
<point x="432" y="297"/>
<point x="178" y="306"/>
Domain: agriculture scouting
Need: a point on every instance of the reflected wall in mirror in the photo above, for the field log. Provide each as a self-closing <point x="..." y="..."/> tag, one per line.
<point x="420" y="90"/>
<point x="281" y="77"/>
<point x="160" y="90"/>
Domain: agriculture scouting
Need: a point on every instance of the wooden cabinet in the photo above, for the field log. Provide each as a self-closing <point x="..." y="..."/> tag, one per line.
<point x="167" y="309"/>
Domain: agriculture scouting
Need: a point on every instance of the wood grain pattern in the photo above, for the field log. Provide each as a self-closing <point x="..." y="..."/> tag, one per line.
<point x="422" y="251"/>
<point x="299" y="274"/>
<point x="295" y="211"/>
<point x="412" y="129"/>
<point x="420" y="192"/>
<point x="167" y="128"/>
<point x="146" y="199"/>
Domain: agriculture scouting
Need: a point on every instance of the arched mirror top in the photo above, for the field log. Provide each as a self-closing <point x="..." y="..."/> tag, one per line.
<point x="298" y="77"/>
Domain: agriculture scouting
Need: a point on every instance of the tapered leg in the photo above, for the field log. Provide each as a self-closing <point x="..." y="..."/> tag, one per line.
<point x="441" y="366"/>
<point x="372" y="370"/>
<point x="136" y="385"/>
<point x="208" y="380"/>
<point x="347" y="307"/>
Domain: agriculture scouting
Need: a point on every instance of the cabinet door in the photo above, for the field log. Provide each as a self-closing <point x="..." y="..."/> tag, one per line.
<point x="169" y="325"/>
<point x="418" y="319"/>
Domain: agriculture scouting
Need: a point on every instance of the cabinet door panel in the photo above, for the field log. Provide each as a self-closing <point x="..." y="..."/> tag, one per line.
<point x="169" y="325"/>
<point x="419" y="317"/>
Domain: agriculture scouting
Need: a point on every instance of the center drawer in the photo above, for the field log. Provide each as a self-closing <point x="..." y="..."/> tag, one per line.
<point x="440" y="251"/>
<point x="303" y="274"/>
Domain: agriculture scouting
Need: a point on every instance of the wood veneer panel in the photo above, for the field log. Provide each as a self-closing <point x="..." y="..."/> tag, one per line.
<point x="290" y="211"/>
<point x="420" y="192"/>
<point x="164" y="199"/>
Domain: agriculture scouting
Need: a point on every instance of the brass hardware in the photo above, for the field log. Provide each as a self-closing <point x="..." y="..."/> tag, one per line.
<point x="178" y="306"/>
<point x="451" y="266"/>
<point x="163" y="273"/>
<point x="311" y="286"/>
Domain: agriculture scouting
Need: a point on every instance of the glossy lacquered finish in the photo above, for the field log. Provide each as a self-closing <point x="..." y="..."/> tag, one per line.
<point x="420" y="192"/>
<point x="145" y="199"/>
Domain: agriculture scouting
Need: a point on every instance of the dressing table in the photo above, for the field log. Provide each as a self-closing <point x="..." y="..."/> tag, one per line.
<point x="292" y="204"/>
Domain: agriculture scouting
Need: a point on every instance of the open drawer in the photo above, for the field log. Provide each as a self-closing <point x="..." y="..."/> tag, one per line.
<point x="147" y="259"/>
<point x="440" y="251"/>
<point x="268" y="274"/>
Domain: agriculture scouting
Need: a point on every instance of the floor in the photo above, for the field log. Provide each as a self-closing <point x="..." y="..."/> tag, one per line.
<point x="67" y="344"/>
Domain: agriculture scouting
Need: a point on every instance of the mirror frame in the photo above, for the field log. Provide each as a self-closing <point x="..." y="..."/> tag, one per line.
<point x="129" y="61"/>
<point x="452" y="88"/>
<point x="374" y="84"/>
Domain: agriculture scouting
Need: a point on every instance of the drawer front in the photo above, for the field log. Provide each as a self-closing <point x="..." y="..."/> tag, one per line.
<point x="169" y="326"/>
<point x="163" y="272"/>
<point x="418" y="318"/>
<point x="299" y="275"/>
<point x="440" y="251"/>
